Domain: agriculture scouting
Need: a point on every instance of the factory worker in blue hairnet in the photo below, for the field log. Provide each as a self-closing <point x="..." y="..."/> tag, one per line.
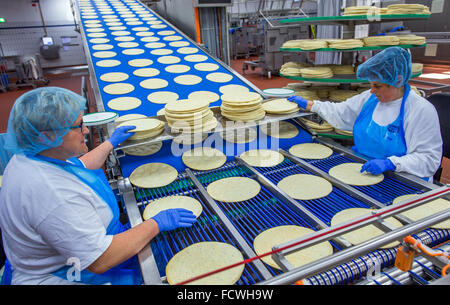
<point x="392" y="125"/>
<point x="58" y="214"/>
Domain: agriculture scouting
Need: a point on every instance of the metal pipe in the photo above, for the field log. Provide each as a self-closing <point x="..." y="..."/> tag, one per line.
<point x="42" y="18"/>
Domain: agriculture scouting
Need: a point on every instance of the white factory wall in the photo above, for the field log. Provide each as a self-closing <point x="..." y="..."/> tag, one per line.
<point x="23" y="29"/>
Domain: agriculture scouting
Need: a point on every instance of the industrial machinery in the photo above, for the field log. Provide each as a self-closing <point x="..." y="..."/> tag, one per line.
<point x="239" y="223"/>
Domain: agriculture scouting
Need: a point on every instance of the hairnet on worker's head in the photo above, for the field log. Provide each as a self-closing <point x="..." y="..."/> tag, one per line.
<point x="392" y="66"/>
<point x="40" y="118"/>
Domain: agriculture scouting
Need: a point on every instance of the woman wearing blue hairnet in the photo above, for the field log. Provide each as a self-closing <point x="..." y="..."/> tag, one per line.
<point x="392" y="125"/>
<point x="59" y="217"/>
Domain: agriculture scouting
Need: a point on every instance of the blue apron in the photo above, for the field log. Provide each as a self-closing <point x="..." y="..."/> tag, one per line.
<point x="126" y="273"/>
<point x="379" y="142"/>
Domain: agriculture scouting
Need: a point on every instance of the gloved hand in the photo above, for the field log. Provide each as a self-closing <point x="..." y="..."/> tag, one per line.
<point x="302" y="103"/>
<point x="378" y="166"/>
<point x="120" y="134"/>
<point x="174" y="218"/>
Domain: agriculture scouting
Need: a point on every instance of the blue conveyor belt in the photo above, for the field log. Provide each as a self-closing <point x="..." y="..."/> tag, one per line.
<point x="139" y="13"/>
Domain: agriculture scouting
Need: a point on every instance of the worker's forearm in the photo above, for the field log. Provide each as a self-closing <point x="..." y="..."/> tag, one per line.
<point x="309" y="105"/>
<point x="125" y="245"/>
<point x="97" y="157"/>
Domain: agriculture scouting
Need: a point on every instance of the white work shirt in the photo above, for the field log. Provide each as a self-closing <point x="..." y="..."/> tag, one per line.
<point x="421" y="124"/>
<point x="47" y="217"/>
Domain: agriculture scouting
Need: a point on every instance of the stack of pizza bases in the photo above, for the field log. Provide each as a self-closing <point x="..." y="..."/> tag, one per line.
<point x="280" y="106"/>
<point x="305" y="44"/>
<point x="403" y="9"/>
<point x="190" y="116"/>
<point x="293" y="68"/>
<point x="343" y="44"/>
<point x="341" y="95"/>
<point x="145" y="128"/>
<point x="242" y="106"/>
<point x="317" y="72"/>
<point x="373" y="41"/>
<point x="412" y="39"/>
<point x="364" y="10"/>
<point x="317" y="127"/>
<point x="343" y="69"/>
<point x="307" y="94"/>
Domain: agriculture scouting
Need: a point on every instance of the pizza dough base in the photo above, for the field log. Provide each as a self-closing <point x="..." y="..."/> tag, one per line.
<point x="311" y="151"/>
<point x="425" y="210"/>
<point x="365" y="233"/>
<point x="204" y="257"/>
<point x="152" y="175"/>
<point x="283" y="130"/>
<point x="262" y="157"/>
<point x="124" y="103"/>
<point x="349" y="173"/>
<point x="172" y="202"/>
<point x="203" y="158"/>
<point x="265" y="241"/>
<point x="305" y="187"/>
<point x="233" y="189"/>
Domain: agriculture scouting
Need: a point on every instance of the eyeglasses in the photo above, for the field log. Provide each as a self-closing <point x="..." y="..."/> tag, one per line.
<point x="81" y="126"/>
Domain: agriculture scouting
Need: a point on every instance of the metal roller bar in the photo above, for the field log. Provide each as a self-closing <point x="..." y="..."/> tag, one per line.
<point x="149" y="269"/>
<point x="350" y="253"/>
<point x="235" y="234"/>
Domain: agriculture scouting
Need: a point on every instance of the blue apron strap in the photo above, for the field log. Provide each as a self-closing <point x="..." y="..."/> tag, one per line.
<point x="7" y="274"/>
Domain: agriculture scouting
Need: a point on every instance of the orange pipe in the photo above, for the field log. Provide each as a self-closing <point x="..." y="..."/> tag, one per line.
<point x="197" y="26"/>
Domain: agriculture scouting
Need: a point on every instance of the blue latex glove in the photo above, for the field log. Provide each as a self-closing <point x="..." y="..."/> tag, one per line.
<point x="174" y="218"/>
<point x="121" y="134"/>
<point x="302" y="103"/>
<point x="378" y="166"/>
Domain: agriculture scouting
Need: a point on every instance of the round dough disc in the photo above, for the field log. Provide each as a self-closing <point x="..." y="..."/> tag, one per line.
<point x="262" y="157"/>
<point x="365" y="233"/>
<point x="349" y="173"/>
<point x="265" y="241"/>
<point x="118" y="88"/>
<point x="233" y="88"/>
<point x="195" y="58"/>
<point x="425" y="210"/>
<point x="172" y="202"/>
<point x="162" y="97"/>
<point x="153" y="175"/>
<point x="107" y="63"/>
<point x="169" y="59"/>
<point x="177" y="68"/>
<point x="206" y="67"/>
<point x="207" y="96"/>
<point x="240" y="136"/>
<point x="114" y="77"/>
<point x="187" y="79"/>
<point x="311" y="151"/>
<point x="140" y="62"/>
<point x="233" y="189"/>
<point x="305" y="187"/>
<point x="146" y="72"/>
<point x="124" y="103"/>
<point x="143" y="150"/>
<point x="203" y="158"/>
<point x="154" y="83"/>
<point x="219" y="77"/>
<point x="283" y="130"/>
<point x="204" y="257"/>
<point x="104" y="54"/>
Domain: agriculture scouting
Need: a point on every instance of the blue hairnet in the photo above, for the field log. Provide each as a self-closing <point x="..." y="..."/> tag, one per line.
<point x="392" y="66"/>
<point x="40" y="118"/>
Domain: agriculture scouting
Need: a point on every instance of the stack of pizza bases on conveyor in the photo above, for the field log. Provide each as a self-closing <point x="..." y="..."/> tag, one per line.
<point x="145" y="128"/>
<point x="364" y="10"/>
<point x="412" y="39"/>
<point x="190" y="116"/>
<point x="374" y="41"/>
<point x="343" y="44"/>
<point x="317" y="127"/>
<point x="317" y="72"/>
<point x="403" y="9"/>
<point x="280" y="106"/>
<point x="243" y="106"/>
